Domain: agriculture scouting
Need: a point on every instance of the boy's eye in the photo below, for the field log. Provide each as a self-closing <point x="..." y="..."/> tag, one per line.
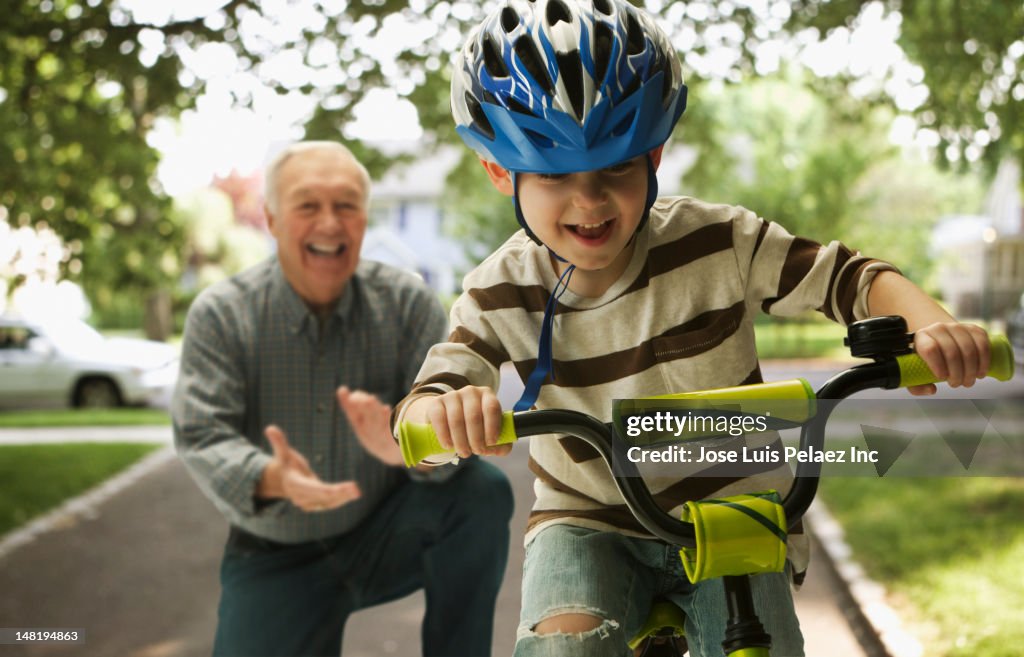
<point x="553" y="177"/>
<point x="621" y="167"/>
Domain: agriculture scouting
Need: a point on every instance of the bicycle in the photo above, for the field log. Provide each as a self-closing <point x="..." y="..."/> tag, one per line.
<point x="884" y="339"/>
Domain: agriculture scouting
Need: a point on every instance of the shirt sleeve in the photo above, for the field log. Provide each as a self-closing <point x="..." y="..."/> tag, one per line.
<point x="472" y="355"/>
<point x="787" y="275"/>
<point x="208" y="413"/>
<point x="426" y="325"/>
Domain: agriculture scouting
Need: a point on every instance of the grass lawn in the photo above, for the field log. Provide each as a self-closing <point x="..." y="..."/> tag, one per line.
<point x="37" y="478"/>
<point x="817" y="338"/>
<point x="949" y="550"/>
<point x="73" y="417"/>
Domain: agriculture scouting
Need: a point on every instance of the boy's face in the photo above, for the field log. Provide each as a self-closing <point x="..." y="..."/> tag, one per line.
<point x="587" y="218"/>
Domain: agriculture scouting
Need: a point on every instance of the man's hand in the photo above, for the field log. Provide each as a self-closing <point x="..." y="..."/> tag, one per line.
<point x="288" y="475"/>
<point x="371" y="420"/>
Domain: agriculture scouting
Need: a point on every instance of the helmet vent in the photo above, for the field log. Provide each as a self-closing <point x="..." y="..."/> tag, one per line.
<point x="526" y="50"/>
<point x="632" y="87"/>
<point x="515" y="106"/>
<point x="493" y="62"/>
<point x="634" y="36"/>
<point x="603" y="7"/>
<point x="602" y="50"/>
<point x="570" y="68"/>
<point x="557" y="13"/>
<point x="666" y="82"/>
<point x="509" y="19"/>
<point x="539" y="140"/>
<point x="624" y="125"/>
<point x="480" y="122"/>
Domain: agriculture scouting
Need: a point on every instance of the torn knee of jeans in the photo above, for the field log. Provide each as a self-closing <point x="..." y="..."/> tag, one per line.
<point x="603" y="627"/>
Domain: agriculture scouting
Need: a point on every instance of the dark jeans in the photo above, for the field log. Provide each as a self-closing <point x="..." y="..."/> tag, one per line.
<point x="450" y="539"/>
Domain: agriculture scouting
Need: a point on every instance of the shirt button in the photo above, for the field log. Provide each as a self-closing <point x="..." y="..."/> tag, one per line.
<point x="319" y="458"/>
<point x="321" y="407"/>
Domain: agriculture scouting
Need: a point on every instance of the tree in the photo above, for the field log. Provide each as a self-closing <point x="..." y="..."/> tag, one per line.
<point x="76" y="104"/>
<point x="970" y="52"/>
<point x="824" y="171"/>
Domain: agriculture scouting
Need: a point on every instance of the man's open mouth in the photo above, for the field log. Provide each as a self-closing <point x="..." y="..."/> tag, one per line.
<point x="325" y="250"/>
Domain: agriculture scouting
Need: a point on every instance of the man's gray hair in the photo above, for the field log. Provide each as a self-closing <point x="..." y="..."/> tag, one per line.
<point x="277" y="163"/>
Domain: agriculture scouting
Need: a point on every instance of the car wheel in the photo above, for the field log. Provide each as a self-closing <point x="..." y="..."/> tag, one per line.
<point x="97" y="393"/>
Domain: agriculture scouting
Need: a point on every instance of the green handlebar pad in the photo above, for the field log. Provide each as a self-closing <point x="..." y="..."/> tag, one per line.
<point x="418" y="441"/>
<point x="914" y="371"/>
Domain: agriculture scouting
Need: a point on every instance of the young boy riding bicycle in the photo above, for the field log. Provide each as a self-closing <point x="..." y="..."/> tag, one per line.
<point x="569" y="104"/>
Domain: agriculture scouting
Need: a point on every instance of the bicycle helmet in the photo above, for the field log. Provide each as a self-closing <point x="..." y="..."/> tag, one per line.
<point x="561" y="86"/>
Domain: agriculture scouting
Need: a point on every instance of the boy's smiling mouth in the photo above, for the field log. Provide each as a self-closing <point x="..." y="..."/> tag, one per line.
<point x="592" y="233"/>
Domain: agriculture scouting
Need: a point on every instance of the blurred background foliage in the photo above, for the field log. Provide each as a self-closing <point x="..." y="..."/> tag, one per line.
<point x="82" y="83"/>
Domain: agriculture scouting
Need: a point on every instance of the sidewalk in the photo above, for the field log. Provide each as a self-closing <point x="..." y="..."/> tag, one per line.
<point x="138" y="572"/>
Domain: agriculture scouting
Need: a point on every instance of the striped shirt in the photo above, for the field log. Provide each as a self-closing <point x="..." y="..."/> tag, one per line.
<point x="680" y="318"/>
<point x="253" y="354"/>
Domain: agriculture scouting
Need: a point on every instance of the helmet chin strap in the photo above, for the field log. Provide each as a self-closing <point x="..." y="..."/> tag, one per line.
<point x="545" y="362"/>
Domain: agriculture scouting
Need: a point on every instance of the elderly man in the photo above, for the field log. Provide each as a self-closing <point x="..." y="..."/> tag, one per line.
<point x="322" y="520"/>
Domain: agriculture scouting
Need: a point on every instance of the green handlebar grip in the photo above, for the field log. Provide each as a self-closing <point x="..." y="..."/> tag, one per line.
<point x="914" y="371"/>
<point x="418" y="441"/>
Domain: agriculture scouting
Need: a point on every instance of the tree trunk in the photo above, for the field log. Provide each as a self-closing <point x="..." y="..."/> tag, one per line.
<point x="158" y="322"/>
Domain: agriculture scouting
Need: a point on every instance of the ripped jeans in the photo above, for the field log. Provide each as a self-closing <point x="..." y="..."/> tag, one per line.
<point x="615" y="577"/>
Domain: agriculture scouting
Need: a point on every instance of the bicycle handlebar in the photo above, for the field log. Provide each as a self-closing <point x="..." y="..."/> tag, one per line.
<point x="914" y="371"/>
<point x="418" y="441"/>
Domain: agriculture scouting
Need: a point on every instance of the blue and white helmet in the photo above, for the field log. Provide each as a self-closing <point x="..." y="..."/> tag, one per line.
<point x="560" y="86"/>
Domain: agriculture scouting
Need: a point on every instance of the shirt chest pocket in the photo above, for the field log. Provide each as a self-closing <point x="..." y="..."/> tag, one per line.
<point x="690" y="357"/>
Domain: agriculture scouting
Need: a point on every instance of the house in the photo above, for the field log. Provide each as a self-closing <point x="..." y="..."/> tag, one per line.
<point x="406" y="221"/>
<point x="981" y="271"/>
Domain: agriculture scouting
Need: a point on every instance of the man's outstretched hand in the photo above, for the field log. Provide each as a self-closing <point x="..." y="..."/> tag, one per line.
<point x="371" y="420"/>
<point x="288" y="475"/>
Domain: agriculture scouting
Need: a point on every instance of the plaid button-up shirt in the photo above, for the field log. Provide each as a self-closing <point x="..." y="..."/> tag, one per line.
<point x="254" y="355"/>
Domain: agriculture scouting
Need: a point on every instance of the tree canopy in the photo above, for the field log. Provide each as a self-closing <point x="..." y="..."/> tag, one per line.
<point x="82" y="82"/>
<point x="970" y="52"/>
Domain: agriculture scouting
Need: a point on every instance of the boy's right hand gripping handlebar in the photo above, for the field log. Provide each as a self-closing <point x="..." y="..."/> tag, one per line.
<point x="418" y="441"/>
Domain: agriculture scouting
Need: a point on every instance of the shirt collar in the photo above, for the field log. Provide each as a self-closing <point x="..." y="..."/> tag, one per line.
<point x="297" y="314"/>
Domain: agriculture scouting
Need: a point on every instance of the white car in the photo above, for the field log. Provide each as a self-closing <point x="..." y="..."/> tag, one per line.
<point x="66" y="362"/>
<point x="1015" y="331"/>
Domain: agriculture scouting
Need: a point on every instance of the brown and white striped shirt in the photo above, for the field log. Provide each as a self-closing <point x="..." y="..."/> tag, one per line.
<point x="680" y="318"/>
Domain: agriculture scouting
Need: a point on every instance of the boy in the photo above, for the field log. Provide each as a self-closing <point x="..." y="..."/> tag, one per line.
<point x="569" y="104"/>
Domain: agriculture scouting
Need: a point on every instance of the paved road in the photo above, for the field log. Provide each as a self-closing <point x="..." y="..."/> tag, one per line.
<point x="139" y="574"/>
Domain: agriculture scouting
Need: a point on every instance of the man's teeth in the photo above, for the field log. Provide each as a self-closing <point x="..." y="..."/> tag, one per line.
<point x="325" y="249"/>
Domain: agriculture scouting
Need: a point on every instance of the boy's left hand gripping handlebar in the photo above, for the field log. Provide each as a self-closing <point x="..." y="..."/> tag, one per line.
<point x="418" y="441"/>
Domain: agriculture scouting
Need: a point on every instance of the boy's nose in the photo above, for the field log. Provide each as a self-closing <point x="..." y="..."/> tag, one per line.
<point x="589" y="192"/>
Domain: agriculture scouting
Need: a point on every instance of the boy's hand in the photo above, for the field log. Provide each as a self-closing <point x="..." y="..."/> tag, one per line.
<point x="957" y="353"/>
<point x="371" y="420"/>
<point x="467" y="420"/>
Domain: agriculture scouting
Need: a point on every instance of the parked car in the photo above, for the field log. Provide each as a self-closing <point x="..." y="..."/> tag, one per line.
<point x="1015" y="331"/>
<point x="66" y="362"/>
